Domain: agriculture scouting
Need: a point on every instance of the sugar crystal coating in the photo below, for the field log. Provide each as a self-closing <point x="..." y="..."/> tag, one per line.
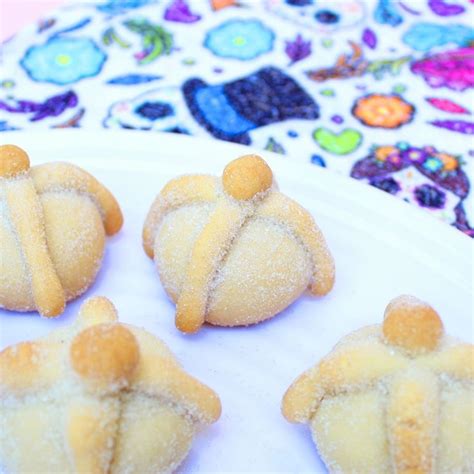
<point x="236" y="251"/>
<point x="98" y="396"/>
<point x="377" y="403"/>
<point x="53" y="222"/>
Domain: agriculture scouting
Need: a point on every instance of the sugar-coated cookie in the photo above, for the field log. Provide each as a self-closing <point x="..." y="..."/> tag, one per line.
<point x="53" y="222"/>
<point x="396" y="397"/>
<point x="234" y="251"/>
<point x="98" y="397"/>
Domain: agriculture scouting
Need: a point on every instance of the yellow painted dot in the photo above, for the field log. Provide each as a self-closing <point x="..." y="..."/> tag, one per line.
<point x="240" y="41"/>
<point x="63" y="59"/>
<point x="7" y="84"/>
<point x="383" y="110"/>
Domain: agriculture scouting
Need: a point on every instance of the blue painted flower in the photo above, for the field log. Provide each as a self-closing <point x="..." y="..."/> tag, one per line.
<point x="240" y="39"/>
<point x="425" y="36"/>
<point x="63" y="60"/>
<point x="433" y="164"/>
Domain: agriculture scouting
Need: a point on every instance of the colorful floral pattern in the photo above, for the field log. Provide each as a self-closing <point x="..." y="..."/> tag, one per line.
<point x="378" y="89"/>
<point x="383" y="111"/>
<point x="240" y="39"/>
<point x="432" y="179"/>
<point x="63" y="60"/>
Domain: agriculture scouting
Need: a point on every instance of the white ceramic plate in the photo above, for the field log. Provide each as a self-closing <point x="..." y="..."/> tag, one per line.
<point x="383" y="247"/>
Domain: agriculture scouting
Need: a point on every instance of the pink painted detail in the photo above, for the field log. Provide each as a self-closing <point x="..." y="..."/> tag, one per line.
<point x="122" y="107"/>
<point x="140" y="55"/>
<point x="447" y="105"/>
<point x="451" y="69"/>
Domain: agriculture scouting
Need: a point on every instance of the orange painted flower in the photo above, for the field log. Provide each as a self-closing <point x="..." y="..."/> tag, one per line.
<point x="383" y="111"/>
<point x="383" y="152"/>
<point x="450" y="163"/>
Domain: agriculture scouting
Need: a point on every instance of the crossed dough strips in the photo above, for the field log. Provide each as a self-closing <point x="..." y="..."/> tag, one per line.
<point x="53" y="221"/>
<point x="236" y="252"/>
<point x="98" y="397"/>
<point x="392" y="398"/>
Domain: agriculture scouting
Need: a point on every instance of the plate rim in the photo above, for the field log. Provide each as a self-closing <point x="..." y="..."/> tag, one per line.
<point x="373" y="198"/>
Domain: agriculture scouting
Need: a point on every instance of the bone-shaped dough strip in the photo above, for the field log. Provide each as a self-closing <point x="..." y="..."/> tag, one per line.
<point x="57" y="176"/>
<point x="290" y="214"/>
<point x="29" y="367"/>
<point x="92" y="428"/>
<point x="354" y="367"/>
<point x="209" y="248"/>
<point x="412" y="421"/>
<point x="178" y="192"/>
<point x="26" y="215"/>
<point x="457" y="362"/>
<point x="158" y="374"/>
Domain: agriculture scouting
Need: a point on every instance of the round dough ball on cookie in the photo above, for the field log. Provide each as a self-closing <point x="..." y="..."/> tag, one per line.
<point x="396" y="397"/>
<point x="98" y="396"/>
<point x="234" y="251"/>
<point x="54" y="219"/>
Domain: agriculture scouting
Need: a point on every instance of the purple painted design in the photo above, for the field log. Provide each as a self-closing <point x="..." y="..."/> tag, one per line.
<point x="51" y="107"/>
<point x="461" y="220"/>
<point x="441" y="8"/>
<point x="298" y="49"/>
<point x="45" y="24"/>
<point x="369" y="38"/>
<point x="383" y="162"/>
<point x="387" y="184"/>
<point x="415" y="155"/>
<point x="376" y="164"/>
<point x="409" y="9"/>
<point x="460" y="126"/>
<point x="179" y="12"/>
<point x="430" y="196"/>
<point x="337" y="119"/>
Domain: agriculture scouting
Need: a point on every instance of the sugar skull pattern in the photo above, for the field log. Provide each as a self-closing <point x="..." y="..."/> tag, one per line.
<point x="431" y="179"/>
<point x="344" y="84"/>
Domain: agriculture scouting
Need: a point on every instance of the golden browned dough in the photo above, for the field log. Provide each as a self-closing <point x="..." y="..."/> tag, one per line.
<point x="53" y="222"/>
<point x="396" y="397"/>
<point x="98" y="397"/>
<point x="234" y="251"/>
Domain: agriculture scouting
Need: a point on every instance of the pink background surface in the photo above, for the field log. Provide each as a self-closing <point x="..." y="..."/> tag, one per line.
<point x="15" y="14"/>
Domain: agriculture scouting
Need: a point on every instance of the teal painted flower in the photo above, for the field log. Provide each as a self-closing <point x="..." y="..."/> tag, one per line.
<point x="63" y="60"/>
<point x="240" y="39"/>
